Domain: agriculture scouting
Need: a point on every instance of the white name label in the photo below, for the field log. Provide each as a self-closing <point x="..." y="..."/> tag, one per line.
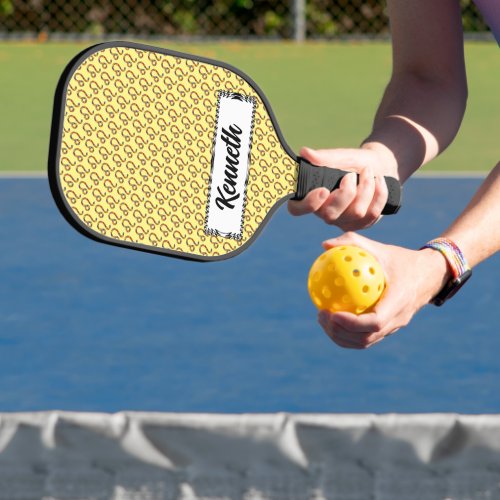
<point x="230" y="160"/>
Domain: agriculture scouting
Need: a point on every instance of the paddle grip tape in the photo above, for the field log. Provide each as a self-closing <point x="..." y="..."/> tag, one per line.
<point x="312" y="177"/>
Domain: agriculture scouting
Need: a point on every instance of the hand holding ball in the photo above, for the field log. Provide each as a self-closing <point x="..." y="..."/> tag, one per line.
<point x="346" y="278"/>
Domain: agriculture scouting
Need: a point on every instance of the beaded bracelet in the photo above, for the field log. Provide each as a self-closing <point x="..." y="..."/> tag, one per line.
<point x="460" y="269"/>
<point x="452" y="254"/>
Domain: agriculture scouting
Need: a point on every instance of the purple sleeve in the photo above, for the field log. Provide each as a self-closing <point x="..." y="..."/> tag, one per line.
<point x="490" y="9"/>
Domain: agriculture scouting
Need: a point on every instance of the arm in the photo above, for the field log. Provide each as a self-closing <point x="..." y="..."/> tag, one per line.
<point x="477" y="230"/>
<point x="419" y="114"/>
<point x="424" y="103"/>
<point x="415" y="277"/>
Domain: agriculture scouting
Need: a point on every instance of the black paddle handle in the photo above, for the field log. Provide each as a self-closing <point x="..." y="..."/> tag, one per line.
<point x="312" y="177"/>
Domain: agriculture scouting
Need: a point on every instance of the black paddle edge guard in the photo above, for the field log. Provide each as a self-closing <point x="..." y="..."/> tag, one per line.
<point x="312" y="177"/>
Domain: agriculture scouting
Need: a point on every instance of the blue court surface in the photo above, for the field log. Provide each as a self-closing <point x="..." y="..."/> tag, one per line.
<point x="91" y="327"/>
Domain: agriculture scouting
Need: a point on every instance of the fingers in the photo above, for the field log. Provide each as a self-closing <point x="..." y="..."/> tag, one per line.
<point x="352" y="238"/>
<point x="315" y="199"/>
<point x="364" y="195"/>
<point x="346" y="338"/>
<point x="368" y="323"/>
<point x="380" y="196"/>
<point x="336" y="203"/>
<point x="351" y="159"/>
<point x="365" y="208"/>
<point x="355" y="332"/>
<point x="356" y="204"/>
<point x="310" y="204"/>
<point x="342" y="340"/>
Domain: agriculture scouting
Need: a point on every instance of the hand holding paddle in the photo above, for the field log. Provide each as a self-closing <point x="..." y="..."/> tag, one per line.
<point x="360" y="199"/>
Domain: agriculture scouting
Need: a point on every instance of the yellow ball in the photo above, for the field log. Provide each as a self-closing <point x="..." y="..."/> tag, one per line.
<point x="346" y="278"/>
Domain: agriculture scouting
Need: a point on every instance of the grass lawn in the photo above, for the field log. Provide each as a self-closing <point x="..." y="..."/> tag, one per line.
<point x="323" y="94"/>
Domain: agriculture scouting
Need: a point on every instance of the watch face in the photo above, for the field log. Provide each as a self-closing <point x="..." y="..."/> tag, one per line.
<point x="451" y="288"/>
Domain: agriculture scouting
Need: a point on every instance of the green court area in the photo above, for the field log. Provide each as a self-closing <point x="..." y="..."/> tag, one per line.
<point x="323" y="95"/>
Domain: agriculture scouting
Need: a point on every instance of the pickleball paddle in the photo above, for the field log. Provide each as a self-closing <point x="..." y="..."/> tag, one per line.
<point x="172" y="153"/>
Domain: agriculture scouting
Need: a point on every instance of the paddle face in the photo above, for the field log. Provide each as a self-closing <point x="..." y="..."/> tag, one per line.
<point x="164" y="152"/>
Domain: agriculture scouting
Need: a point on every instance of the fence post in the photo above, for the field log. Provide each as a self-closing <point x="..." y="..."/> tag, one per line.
<point x="299" y="20"/>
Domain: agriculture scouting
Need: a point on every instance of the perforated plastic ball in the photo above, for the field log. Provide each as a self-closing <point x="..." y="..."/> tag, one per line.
<point x="346" y="278"/>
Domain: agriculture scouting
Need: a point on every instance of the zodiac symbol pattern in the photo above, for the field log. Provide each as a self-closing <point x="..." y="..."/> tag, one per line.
<point x="136" y="150"/>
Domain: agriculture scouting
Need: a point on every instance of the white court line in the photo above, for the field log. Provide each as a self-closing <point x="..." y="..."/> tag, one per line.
<point x="23" y="175"/>
<point x="454" y="174"/>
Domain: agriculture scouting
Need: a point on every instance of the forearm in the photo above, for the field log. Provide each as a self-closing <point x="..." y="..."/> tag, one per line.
<point x="477" y="230"/>
<point x="424" y="103"/>
<point x="416" y="120"/>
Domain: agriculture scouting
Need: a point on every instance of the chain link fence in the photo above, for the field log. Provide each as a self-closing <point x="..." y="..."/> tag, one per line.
<point x="192" y="18"/>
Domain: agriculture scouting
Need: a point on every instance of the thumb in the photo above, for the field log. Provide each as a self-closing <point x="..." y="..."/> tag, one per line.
<point x="338" y="158"/>
<point x="349" y="238"/>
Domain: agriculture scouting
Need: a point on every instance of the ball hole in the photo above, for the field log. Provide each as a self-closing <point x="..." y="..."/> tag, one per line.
<point x="360" y="309"/>
<point x="362" y="254"/>
<point x="348" y="258"/>
<point x="339" y="281"/>
<point x="366" y="289"/>
<point x="326" y="292"/>
<point x="372" y="270"/>
<point x="356" y="273"/>
<point x="379" y="288"/>
<point x="317" y="301"/>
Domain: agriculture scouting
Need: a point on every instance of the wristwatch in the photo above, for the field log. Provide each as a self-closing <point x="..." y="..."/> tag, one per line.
<point x="460" y="270"/>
